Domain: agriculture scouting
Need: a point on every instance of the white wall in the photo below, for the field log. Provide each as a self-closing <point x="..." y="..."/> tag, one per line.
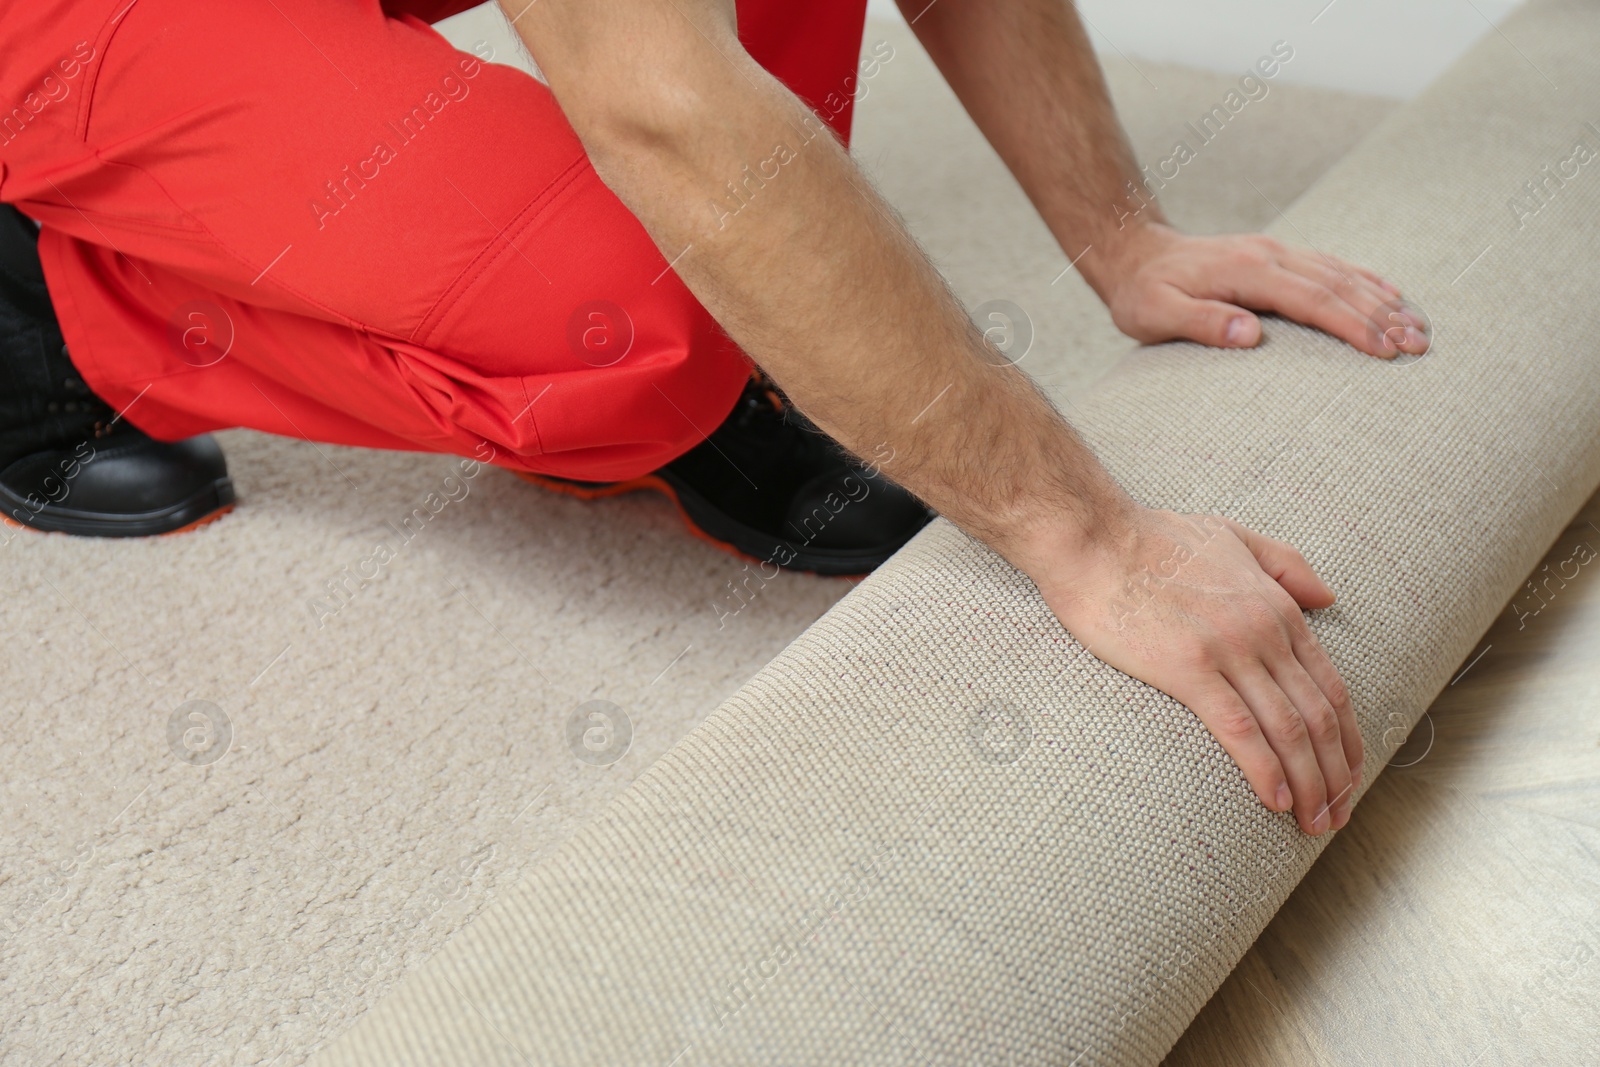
<point x="484" y="31"/>
<point x="1388" y="47"/>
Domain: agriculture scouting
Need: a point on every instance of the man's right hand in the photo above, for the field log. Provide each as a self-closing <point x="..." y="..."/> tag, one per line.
<point x="821" y="284"/>
<point x="1209" y="612"/>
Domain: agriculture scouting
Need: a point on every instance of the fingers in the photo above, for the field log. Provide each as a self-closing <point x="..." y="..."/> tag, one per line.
<point x="1311" y="656"/>
<point x="1203" y="289"/>
<point x="1349" y="302"/>
<point x="1389" y="326"/>
<point x="1325" y="731"/>
<point x="1226" y="637"/>
<point x="1314" y="303"/>
<point x="1301" y="670"/>
<point x="1232" y="723"/>
<point x="1286" y="733"/>
<point x="1359" y="287"/>
<point x="1168" y="312"/>
<point x="1286" y="566"/>
<point x="1350" y="268"/>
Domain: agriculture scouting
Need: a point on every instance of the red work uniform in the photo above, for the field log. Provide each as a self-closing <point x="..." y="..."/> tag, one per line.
<point x="317" y="218"/>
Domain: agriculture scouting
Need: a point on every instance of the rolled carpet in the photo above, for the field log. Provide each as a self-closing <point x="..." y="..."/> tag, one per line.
<point x="935" y="829"/>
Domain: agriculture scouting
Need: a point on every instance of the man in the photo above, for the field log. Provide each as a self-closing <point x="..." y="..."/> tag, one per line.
<point x="317" y="219"/>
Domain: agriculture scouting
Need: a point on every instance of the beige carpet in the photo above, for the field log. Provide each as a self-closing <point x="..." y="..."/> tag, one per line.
<point x="393" y="762"/>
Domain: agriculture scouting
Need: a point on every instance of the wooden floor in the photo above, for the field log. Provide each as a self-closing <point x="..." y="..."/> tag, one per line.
<point x="1456" y="920"/>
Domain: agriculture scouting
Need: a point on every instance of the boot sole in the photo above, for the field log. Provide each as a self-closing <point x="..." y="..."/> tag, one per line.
<point x="727" y="534"/>
<point x="200" y="509"/>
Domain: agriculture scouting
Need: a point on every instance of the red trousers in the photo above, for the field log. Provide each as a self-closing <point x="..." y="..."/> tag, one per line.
<point x="316" y="218"/>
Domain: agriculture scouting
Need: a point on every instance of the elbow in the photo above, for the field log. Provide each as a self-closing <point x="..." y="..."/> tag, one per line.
<point x="620" y="128"/>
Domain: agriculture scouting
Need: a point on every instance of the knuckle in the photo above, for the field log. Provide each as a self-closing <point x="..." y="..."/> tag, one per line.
<point x="1207" y="317"/>
<point x="1270" y="625"/>
<point x="1251" y="257"/>
<point x="1197" y="656"/>
<point x="1238" y="645"/>
<point x="1290" y="730"/>
<point x="1232" y="723"/>
<point x="1129" y="322"/>
<point x="1300" y="627"/>
<point x="1304" y="643"/>
<point x="1287" y="610"/>
<point x="1322" y="725"/>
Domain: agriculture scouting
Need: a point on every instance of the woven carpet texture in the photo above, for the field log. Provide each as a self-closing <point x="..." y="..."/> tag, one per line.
<point x="397" y="756"/>
<point x="934" y="829"/>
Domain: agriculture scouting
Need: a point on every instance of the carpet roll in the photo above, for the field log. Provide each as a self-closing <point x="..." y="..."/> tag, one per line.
<point x="935" y="829"/>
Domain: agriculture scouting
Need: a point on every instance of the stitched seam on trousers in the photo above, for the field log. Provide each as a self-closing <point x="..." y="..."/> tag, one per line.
<point x="501" y="244"/>
<point x="333" y="314"/>
<point x="133" y="222"/>
<point x="113" y="23"/>
<point x="86" y="105"/>
<point x="533" y="420"/>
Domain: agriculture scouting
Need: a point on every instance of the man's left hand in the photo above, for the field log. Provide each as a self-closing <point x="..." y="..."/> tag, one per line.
<point x="1162" y="285"/>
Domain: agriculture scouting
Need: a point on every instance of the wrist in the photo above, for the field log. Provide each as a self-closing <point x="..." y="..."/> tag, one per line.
<point x="1046" y="534"/>
<point x="999" y="461"/>
<point x="1119" y="253"/>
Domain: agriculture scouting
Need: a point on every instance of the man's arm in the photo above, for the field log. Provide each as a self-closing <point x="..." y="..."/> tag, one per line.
<point x="1026" y="74"/>
<point x="816" y="279"/>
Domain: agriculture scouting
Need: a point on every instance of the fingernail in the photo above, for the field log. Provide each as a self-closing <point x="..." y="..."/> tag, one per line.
<point x="1284" y="799"/>
<point x="1355" y="775"/>
<point x="1320" y="823"/>
<point x="1341" y="815"/>
<point x="1236" y="330"/>
<point x="1389" y="287"/>
<point x="1414" y="338"/>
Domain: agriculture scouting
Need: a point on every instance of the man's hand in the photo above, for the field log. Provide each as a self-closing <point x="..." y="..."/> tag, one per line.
<point x="1209" y="612"/>
<point x="820" y="283"/>
<point x="1161" y="285"/>
<point x="1026" y="74"/>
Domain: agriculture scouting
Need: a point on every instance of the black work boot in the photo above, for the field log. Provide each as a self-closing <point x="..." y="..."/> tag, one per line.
<point x="68" y="463"/>
<point x="772" y="487"/>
